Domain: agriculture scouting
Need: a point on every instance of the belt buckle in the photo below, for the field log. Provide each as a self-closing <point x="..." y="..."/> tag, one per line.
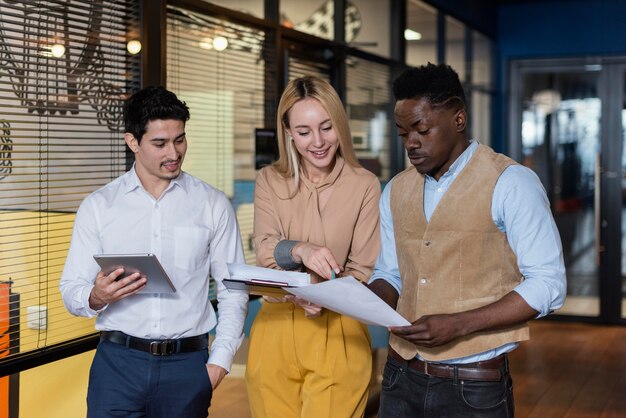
<point x="162" y="348"/>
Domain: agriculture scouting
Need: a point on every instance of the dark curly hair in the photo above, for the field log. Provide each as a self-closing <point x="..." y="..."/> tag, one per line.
<point x="152" y="103"/>
<point x="437" y="83"/>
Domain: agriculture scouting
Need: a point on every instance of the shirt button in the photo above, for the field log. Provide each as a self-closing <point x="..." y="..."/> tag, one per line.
<point x="156" y="235"/>
<point x="423" y="280"/>
<point x="439" y="190"/>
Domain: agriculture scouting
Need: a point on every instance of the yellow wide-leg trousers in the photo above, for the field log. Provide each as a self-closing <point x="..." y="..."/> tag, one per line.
<point x="301" y="367"/>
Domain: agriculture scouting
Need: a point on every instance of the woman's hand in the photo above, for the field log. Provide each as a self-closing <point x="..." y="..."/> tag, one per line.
<point x="310" y="309"/>
<point x="318" y="259"/>
<point x="272" y="299"/>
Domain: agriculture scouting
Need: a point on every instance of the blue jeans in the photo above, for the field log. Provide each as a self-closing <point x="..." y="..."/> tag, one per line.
<point x="407" y="393"/>
<point x="134" y="384"/>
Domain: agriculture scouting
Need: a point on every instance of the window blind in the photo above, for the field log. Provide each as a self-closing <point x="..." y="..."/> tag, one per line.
<point x="64" y="72"/>
<point x="300" y="67"/>
<point x="225" y="72"/>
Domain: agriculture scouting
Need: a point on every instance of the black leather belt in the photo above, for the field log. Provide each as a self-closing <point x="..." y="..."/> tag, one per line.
<point x="486" y="371"/>
<point x="158" y="347"/>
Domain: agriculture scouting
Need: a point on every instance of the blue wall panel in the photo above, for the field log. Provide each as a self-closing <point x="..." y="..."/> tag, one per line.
<point x="554" y="29"/>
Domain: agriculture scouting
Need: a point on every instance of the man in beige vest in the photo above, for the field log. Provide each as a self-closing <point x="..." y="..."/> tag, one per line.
<point x="470" y="253"/>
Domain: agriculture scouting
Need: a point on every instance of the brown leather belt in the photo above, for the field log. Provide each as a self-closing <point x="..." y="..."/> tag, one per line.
<point x="485" y="371"/>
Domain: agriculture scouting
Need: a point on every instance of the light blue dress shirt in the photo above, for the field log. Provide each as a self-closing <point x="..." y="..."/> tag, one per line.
<point x="521" y="210"/>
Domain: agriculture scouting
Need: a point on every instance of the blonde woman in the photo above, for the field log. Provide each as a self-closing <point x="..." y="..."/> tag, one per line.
<point x="315" y="210"/>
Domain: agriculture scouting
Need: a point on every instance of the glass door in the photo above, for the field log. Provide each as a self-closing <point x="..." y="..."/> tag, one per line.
<point x="563" y="128"/>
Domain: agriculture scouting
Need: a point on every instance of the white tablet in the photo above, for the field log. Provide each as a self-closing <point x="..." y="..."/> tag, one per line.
<point x="146" y="264"/>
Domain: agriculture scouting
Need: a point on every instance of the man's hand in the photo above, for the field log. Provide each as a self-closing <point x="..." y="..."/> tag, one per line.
<point x="216" y="374"/>
<point x="107" y="289"/>
<point x="316" y="258"/>
<point x="385" y="291"/>
<point x="431" y="330"/>
<point x="436" y="330"/>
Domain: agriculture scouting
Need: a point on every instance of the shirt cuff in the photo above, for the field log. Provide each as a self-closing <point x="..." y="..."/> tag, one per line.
<point x="539" y="297"/>
<point x="282" y="255"/>
<point x="85" y="296"/>
<point x="221" y="358"/>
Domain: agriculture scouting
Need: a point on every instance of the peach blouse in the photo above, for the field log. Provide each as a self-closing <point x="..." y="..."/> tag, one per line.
<point x="348" y="224"/>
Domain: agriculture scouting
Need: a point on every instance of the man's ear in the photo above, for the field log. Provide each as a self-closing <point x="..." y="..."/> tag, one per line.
<point x="131" y="141"/>
<point x="460" y="120"/>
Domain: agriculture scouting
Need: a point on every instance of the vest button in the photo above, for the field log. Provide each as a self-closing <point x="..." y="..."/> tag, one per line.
<point x="427" y="243"/>
<point x="423" y="280"/>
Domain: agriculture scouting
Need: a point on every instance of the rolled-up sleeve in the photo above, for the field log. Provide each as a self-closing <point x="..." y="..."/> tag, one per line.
<point x="80" y="270"/>
<point x="521" y="209"/>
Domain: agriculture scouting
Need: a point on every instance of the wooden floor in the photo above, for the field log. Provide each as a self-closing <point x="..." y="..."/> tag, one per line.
<point x="571" y="370"/>
<point x="566" y="370"/>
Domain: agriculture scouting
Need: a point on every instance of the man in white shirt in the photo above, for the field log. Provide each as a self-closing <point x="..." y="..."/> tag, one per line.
<point x="152" y="359"/>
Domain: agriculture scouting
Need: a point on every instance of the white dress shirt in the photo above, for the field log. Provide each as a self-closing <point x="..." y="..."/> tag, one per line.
<point x="193" y="231"/>
<point x="521" y="210"/>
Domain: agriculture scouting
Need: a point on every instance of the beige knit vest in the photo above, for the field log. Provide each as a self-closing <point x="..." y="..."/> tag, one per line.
<point x="456" y="262"/>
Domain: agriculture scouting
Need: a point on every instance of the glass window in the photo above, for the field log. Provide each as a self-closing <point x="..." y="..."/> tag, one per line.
<point x="481" y="88"/>
<point x="368" y="99"/>
<point x="480" y="116"/>
<point x="61" y="97"/>
<point x="420" y="33"/>
<point x="455" y="46"/>
<point x="482" y="56"/>
<point x="313" y="17"/>
<point x="367" y="25"/>
<point x="228" y="86"/>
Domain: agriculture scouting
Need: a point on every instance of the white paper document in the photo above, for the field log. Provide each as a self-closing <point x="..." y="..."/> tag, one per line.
<point x="348" y="296"/>
<point x="245" y="272"/>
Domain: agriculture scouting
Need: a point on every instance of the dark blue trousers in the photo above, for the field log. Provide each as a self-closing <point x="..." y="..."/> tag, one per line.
<point x="129" y="383"/>
<point x="407" y="393"/>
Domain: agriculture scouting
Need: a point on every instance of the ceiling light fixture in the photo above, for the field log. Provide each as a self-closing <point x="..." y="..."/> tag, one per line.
<point x="57" y="50"/>
<point x="411" y="35"/>
<point x="133" y="47"/>
<point x="220" y="43"/>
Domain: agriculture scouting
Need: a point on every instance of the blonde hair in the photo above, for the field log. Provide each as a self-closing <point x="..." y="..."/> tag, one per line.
<point x="288" y="164"/>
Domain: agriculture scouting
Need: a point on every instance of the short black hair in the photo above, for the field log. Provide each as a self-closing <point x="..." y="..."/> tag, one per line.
<point x="437" y="83"/>
<point x="152" y="103"/>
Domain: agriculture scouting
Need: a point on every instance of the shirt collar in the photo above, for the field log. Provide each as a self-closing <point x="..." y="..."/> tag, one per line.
<point x="133" y="182"/>
<point x="460" y="163"/>
<point x="329" y="180"/>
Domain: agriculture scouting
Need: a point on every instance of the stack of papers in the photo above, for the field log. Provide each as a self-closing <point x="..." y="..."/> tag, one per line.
<point x="345" y="295"/>
<point x="263" y="281"/>
<point x="245" y="272"/>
